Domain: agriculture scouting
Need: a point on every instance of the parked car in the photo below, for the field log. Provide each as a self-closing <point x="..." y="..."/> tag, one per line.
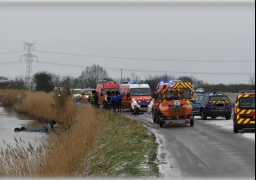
<point x="200" y="90"/>
<point x="212" y="105"/>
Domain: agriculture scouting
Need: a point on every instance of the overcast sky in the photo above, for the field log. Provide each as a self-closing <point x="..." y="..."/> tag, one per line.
<point x="180" y="39"/>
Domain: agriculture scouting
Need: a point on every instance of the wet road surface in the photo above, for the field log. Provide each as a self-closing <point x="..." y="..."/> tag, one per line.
<point x="202" y="151"/>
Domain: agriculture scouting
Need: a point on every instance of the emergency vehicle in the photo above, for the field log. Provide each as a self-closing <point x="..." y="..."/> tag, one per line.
<point x="106" y="87"/>
<point x="135" y="95"/>
<point x="177" y="84"/>
<point x="212" y="104"/>
<point x="244" y="113"/>
<point x="87" y="92"/>
<point x="171" y="107"/>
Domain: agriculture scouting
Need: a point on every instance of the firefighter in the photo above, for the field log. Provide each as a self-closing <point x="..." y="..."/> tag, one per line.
<point x="92" y="98"/>
<point x="105" y="100"/>
<point x="96" y="99"/>
<point x="108" y="104"/>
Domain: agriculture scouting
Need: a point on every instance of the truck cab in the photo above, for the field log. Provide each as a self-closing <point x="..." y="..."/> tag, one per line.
<point x="244" y="113"/>
<point x="135" y="95"/>
<point x="177" y="84"/>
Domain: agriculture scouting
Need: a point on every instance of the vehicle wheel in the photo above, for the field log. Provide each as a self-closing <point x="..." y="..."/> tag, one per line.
<point x="192" y="122"/>
<point x="203" y="116"/>
<point x="153" y="117"/>
<point x="213" y="117"/>
<point x="228" y="117"/>
<point x="236" y="129"/>
<point x="157" y="118"/>
<point x="161" y="124"/>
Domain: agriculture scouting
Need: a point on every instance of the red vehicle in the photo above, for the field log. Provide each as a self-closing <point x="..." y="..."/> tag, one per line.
<point x="171" y="107"/>
<point x="106" y="87"/>
<point x="177" y="84"/>
<point x="136" y="95"/>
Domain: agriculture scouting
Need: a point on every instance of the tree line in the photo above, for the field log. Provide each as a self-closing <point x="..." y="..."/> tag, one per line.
<point x="90" y="76"/>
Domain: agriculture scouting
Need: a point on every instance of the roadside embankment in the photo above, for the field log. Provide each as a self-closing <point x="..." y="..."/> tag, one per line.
<point x="89" y="143"/>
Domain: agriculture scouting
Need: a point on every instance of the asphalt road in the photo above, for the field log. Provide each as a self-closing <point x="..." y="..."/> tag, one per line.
<point x="202" y="151"/>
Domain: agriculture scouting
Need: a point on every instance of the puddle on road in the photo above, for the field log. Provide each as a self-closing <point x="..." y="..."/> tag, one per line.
<point x="9" y="120"/>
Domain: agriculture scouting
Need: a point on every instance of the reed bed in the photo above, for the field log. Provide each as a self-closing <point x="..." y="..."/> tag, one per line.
<point x="89" y="142"/>
<point x="10" y="97"/>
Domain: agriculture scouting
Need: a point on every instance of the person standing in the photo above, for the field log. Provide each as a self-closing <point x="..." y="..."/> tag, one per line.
<point x="92" y="98"/>
<point x="113" y="101"/>
<point x="96" y="99"/>
<point x="119" y="101"/>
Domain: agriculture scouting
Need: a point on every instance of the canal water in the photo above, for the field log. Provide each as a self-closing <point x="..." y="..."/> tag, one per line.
<point x="9" y="120"/>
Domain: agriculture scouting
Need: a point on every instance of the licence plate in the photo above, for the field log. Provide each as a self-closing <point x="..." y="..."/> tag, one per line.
<point x="220" y="107"/>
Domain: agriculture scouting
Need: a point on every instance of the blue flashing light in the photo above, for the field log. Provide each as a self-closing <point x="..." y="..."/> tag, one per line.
<point x="171" y="86"/>
<point x="161" y="82"/>
<point x="170" y="81"/>
<point x="133" y="82"/>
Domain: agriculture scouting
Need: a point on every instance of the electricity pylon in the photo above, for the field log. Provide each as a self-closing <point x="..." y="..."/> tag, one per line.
<point x="28" y="58"/>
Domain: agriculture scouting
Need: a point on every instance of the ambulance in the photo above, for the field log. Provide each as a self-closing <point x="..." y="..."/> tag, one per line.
<point x="136" y="95"/>
<point x="106" y="87"/>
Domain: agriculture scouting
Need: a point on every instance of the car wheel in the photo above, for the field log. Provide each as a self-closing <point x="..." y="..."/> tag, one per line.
<point x="203" y="116"/>
<point x="228" y="117"/>
<point x="236" y="129"/>
<point x="192" y="122"/>
<point x="153" y="117"/>
<point x="213" y="117"/>
<point x="161" y="124"/>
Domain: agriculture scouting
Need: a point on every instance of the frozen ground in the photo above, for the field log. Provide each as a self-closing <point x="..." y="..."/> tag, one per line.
<point x="228" y="125"/>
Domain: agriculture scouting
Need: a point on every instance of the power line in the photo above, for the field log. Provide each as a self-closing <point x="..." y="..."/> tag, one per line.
<point x="155" y="71"/>
<point x="145" y="59"/>
<point x="10" y="52"/>
<point x="11" y="62"/>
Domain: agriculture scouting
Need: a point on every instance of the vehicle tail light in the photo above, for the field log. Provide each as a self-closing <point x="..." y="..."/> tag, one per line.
<point x="207" y="104"/>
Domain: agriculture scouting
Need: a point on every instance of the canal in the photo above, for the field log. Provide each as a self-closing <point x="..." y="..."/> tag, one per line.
<point x="9" y="120"/>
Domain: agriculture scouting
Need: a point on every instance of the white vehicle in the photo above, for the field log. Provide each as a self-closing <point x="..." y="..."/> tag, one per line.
<point x="200" y="90"/>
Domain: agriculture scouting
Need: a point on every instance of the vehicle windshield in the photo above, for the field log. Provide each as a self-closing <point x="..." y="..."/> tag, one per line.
<point x="111" y="89"/>
<point x="140" y="92"/>
<point x="171" y="96"/>
<point x="87" y="92"/>
<point x="247" y="102"/>
<point x="77" y="91"/>
<point x="187" y="93"/>
<point x="219" y="98"/>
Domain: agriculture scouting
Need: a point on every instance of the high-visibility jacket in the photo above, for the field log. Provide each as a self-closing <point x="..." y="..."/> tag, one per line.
<point x="92" y="97"/>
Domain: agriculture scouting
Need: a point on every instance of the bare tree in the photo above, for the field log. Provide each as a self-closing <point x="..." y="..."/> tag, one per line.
<point x="252" y="80"/>
<point x="94" y="74"/>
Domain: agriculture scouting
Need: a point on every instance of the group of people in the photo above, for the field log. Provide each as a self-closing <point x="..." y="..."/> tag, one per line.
<point x="109" y="100"/>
